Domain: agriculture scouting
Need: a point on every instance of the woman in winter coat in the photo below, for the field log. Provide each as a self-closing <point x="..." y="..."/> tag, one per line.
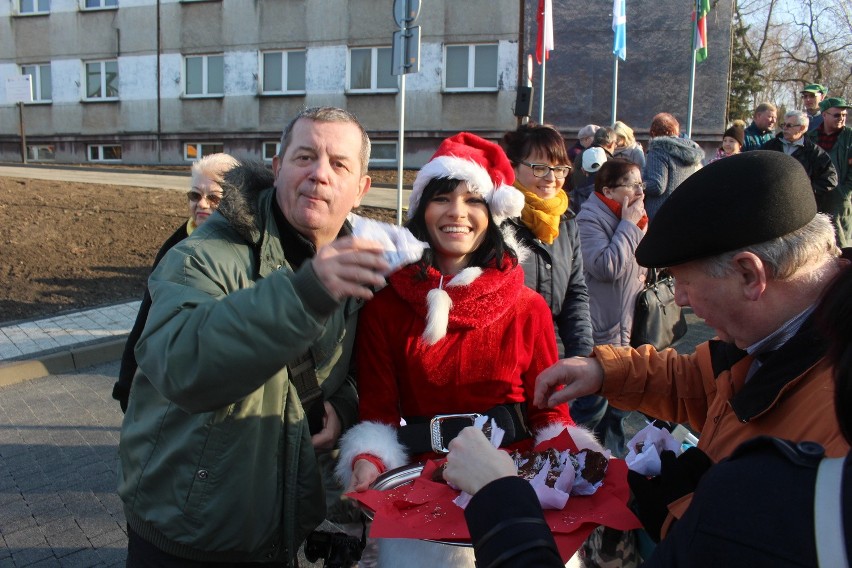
<point x="202" y="200"/>
<point x="612" y="223"/>
<point x="547" y="229"/>
<point x="456" y="333"/>
<point x="671" y="159"/>
<point x="626" y="145"/>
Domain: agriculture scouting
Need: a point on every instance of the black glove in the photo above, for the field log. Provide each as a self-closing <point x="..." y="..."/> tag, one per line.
<point x="679" y="476"/>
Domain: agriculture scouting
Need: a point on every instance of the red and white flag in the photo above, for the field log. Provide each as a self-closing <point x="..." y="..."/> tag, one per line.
<point x="544" y="40"/>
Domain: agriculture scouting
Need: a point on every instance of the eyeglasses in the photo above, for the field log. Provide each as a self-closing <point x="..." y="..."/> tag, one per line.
<point x="788" y="125"/>
<point x="196" y="196"/>
<point x="541" y="170"/>
<point x="638" y="186"/>
<point x="837" y="115"/>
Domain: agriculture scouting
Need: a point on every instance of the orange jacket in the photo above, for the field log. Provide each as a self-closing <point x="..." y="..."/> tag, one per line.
<point x="791" y="396"/>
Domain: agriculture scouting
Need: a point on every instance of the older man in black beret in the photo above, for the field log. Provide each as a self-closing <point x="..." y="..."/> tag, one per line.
<point x="750" y="255"/>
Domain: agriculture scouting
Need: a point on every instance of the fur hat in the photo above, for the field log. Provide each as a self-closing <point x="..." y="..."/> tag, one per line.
<point x="482" y="165"/>
<point x="593" y="159"/>
<point x="737" y="132"/>
<point x="743" y="200"/>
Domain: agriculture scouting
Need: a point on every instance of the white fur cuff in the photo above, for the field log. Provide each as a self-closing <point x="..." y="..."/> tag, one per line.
<point x="583" y="437"/>
<point x="372" y="438"/>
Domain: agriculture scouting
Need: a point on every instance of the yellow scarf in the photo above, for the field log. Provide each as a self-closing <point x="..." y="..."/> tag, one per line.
<point x="542" y="216"/>
<point x="190" y="226"/>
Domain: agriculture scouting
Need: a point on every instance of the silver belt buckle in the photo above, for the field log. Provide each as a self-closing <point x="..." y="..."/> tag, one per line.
<point x="435" y="429"/>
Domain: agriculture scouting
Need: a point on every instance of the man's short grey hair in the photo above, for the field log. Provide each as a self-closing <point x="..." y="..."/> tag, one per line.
<point x="604" y="136"/>
<point x="328" y="114"/>
<point x="783" y="256"/>
<point x="801" y="116"/>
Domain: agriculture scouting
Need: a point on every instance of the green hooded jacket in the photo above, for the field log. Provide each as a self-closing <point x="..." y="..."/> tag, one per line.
<point x="216" y="459"/>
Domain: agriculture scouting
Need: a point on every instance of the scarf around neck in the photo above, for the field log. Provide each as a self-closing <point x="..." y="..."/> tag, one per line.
<point x="615" y="207"/>
<point x="542" y="216"/>
<point x="473" y="298"/>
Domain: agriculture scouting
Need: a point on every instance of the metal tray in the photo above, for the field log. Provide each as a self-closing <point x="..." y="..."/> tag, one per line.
<point x="398" y="477"/>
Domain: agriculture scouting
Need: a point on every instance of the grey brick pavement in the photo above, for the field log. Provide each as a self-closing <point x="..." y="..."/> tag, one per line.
<point x="58" y="458"/>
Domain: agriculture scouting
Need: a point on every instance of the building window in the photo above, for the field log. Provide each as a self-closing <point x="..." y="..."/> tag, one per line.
<point x="283" y="72"/>
<point x="270" y="150"/>
<point x="41" y="152"/>
<point x="34" y="7"/>
<point x="383" y="153"/>
<point x="102" y="80"/>
<point x="196" y="150"/>
<point x="370" y="70"/>
<point x="104" y="153"/>
<point x="205" y="75"/>
<point x="42" y="86"/>
<point x="99" y="4"/>
<point x="471" y="67"/>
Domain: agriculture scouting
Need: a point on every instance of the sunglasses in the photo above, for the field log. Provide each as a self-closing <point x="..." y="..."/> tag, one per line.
<point x="788" y="125"/>
<point x="837" y="115"/>
<point x="196" y="196"/>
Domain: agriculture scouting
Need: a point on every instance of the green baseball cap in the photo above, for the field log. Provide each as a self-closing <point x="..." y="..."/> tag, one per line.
<point x="833" y="102"/>
<point x="814" y="88"/>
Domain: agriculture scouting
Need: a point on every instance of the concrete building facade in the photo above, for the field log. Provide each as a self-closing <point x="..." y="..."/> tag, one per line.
<point x="166" y="81"/>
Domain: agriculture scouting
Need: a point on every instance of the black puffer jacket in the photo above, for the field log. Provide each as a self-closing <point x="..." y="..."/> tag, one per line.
<point x="556" y="272"/>
<point x="817" y="164"/>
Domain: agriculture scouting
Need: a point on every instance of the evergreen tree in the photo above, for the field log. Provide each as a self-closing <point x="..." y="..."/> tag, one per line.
<point x="744" y="76"/>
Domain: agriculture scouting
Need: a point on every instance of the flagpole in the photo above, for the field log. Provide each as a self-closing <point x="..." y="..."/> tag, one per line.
<point x="692" y="73"/>
<point x="541" y="90"/>
<point x="614" y="86"/>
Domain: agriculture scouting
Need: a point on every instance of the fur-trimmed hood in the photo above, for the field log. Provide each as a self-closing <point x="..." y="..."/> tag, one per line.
<point x="240" y="189"/>
<point x="683" y="150"/>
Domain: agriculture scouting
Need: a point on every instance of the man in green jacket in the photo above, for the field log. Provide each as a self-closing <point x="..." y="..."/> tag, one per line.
<point x="244" y="361"/>
<point x="835" y="138"/>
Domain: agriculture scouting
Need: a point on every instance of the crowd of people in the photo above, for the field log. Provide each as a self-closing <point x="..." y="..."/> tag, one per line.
<point x="279" y="361"/>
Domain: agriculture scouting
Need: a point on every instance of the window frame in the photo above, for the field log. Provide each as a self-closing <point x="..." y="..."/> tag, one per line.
<point x="100" y="148"/>
<point x="380" y="162"/>
<point x="205" y="76"/>
<point x="36" y="81"/>
<point x="101" y="5"/>
<point x="36" y="11"/>
<point x="471" y="69"/>
<point x="285" y="62"/>
<point x="33" y="152"/>
<point x="263" y="146"/>
<point x="374" y="56"/>
<point x="103" y="83"/>
<point x="201" y="153"/>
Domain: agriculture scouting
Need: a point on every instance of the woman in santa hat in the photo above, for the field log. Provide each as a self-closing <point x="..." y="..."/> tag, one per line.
<point x="456" y="333"/>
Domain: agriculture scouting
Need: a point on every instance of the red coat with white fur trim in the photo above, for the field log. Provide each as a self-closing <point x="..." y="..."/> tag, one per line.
<point x="499" y="337"/>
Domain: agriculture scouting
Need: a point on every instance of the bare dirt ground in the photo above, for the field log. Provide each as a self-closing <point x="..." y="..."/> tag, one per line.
<point x="73" y="246"/>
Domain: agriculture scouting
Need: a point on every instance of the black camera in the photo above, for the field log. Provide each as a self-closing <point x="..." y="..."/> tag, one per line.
<point x="338" y="550"/>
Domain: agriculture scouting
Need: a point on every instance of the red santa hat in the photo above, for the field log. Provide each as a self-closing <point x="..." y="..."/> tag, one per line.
<point x="482" y="165"/>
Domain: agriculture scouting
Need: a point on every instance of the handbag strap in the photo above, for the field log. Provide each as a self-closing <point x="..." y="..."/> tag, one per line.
<point x="828" y="514"/>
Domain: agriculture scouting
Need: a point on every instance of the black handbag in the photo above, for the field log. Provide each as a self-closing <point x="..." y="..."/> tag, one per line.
<point x="657" y="319"/>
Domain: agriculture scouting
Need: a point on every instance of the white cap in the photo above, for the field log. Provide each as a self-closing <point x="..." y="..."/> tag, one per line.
<point x="593" y="159"/>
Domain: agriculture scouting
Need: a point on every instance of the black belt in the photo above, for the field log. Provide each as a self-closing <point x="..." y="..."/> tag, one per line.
<point x="433" y="434"/>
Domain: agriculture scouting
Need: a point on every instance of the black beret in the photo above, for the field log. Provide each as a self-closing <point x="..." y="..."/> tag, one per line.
<point x="742" y="200"/>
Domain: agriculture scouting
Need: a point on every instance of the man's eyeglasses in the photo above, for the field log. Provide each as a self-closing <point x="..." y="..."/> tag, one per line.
<point x="196" y="196"/>
<point x="837" y="115"/>
<point x="639" y="185"/>
<point x="541" y="170"/>
<point x="788" y="125"/>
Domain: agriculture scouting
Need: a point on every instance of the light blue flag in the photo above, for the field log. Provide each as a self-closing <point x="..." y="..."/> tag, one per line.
<point x="619" y="27"/>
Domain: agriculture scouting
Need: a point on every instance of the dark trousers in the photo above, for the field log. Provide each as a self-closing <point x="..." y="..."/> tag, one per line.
<point x="143" y="554"/>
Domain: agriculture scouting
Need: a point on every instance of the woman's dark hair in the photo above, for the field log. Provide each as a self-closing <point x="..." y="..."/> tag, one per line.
<point x="611" y="171"/>
<point x="491" y="251"/>
<point x="834" y="314"/>
<point x="530" y="137"/>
